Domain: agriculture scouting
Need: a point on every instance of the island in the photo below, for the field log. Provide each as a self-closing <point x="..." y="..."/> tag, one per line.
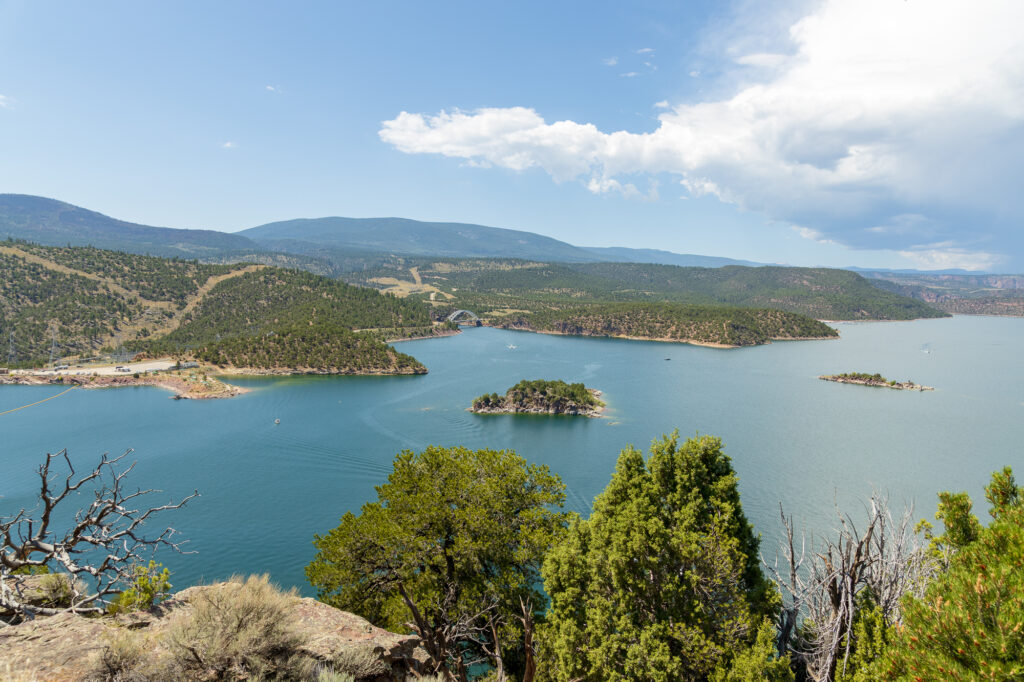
<point x="542" y="397"/>
<point x="876" y="379"/>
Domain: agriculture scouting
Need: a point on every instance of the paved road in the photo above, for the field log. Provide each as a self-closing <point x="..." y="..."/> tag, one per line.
<point x="104" y="370"/>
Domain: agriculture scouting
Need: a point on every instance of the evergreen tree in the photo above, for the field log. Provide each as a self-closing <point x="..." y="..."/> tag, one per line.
<point x="663" y="581"/>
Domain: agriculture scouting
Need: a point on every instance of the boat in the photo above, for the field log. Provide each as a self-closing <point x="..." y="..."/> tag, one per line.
<point x="511" y="346"/>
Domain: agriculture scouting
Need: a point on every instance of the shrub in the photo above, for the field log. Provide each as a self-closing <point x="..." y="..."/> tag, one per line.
<point x="240" y="630"/>
<point x="57" y="590"/>
<point x="359" y="662"/>
<point x="121" y="660"/>
<point x="150" y="586"/>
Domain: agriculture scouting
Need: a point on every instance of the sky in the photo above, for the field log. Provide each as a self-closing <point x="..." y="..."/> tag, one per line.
<point x="872" y="133"/>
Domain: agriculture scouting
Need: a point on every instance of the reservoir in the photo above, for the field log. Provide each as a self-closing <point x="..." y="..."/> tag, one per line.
<point x="268" y="487"/>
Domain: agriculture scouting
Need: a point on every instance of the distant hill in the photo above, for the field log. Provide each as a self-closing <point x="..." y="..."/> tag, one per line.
<point x="416" y="238"/>
<point x="85" y="300"/>
<point x="485" y="286"/>
<point x="619" y="254"/>
<point x="55" y="223"/>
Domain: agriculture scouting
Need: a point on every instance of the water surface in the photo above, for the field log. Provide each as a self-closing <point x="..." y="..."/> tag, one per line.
<point x="268" y="488"/>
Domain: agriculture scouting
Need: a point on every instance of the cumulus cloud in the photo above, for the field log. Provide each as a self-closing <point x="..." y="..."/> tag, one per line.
<point x="5" y="102"/>
<point x="892" y="125"/>
<point x="645" y="50"/>
<point x="663" y="104"/>
<point x="228" y="145"/>
<point x="611" y="61"/>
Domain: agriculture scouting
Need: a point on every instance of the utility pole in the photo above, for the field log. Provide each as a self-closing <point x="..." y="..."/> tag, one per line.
<point x="53" y="344"/>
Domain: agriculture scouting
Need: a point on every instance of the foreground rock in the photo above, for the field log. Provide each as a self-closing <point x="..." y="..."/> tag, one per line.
<point x="68" y="647"/>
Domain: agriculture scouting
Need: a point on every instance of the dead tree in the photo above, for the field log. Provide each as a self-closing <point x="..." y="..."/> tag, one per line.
<point x="97" y="553"/>
<point x="820" y="588"/>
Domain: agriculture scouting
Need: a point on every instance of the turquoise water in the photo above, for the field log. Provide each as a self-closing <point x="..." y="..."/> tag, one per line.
<point x="266" y="488"/>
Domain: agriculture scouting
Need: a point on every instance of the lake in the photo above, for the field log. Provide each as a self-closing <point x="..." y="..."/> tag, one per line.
<point x="268" y="488"/>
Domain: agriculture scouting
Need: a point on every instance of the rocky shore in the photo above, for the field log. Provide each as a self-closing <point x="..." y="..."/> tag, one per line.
<point x="874" y="380"/>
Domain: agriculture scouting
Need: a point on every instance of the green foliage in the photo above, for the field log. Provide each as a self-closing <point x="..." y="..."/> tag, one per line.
<point x="821" y="293"/>
<point x="663" y="581"/>
<point x="453" y="543"/>
<point x="150" y="586"/>
<point x="37" y="303"/>
<point x="875" y="378"/>
<point x="702" y="323"/>
<point x="321" y="348"/>
<point x="872" y="636"/>
<point x="968" y="624"/>
<point x="271" y="299"/>
<point x="758" y="662"/>
<point x="267" y="318"/>
<point x="540" y="394"/>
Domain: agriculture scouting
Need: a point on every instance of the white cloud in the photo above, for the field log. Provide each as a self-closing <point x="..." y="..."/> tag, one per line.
<point x="763" y="59"/>
<point x="629" y="74"/>
<point x="695" y="74"/>
<point x="611" y="61"/>
<point x="273" y="88"/>
<point x="645" y="50"/>
<point x="663" y="104"/>
<point x="229" y="145"/>
<point x="893" y="124"/>
<point x="946" y="257"/>
<point x="5" y="102"/>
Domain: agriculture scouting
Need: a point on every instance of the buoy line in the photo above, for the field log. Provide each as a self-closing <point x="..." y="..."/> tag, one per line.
<point x="39" y="401"/>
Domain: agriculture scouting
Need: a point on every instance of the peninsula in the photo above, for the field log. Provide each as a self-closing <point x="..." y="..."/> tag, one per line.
<point x="542" y="397"/>
<point x="865" y="379"/>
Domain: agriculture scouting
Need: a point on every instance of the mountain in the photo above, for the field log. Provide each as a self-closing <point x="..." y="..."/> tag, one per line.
<point x="620" y="254"/>
<point x="416" y="238"/>
<point x="55" y="223"/>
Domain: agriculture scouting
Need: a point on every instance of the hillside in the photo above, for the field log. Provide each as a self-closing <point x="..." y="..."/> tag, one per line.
<point x="619" y="254"/>
<point x="957" y="293"/>
<point x="413" y="237"/>
<point x="84" y="301"/>
<point x="704" y="325"/>
<point x="55" y="223"/>
<point x="492" y="286"/>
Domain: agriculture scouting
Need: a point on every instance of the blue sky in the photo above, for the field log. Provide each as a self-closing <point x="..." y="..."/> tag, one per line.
<point x="883" y="133"/>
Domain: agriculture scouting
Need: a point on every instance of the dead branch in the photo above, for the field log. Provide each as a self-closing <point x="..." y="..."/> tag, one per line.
<point x="97" y="553"/>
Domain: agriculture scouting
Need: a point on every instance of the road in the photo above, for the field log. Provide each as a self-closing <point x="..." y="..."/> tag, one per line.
<point x="103" y="370"/>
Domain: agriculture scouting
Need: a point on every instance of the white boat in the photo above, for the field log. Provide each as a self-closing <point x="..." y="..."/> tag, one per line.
<point x="511" y="346"/>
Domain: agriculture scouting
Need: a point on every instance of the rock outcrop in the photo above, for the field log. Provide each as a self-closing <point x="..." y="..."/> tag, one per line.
<point x="65" y="647"/>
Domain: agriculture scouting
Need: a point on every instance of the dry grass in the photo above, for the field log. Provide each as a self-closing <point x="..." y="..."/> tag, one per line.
<point x="240" y="631"/>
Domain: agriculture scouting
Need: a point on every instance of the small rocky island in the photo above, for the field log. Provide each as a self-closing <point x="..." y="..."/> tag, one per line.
<point x="542" y="397"/>
<point x="865" y="379"/>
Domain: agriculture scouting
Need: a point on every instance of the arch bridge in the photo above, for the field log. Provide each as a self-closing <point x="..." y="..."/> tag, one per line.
<point x="467" y="316"/>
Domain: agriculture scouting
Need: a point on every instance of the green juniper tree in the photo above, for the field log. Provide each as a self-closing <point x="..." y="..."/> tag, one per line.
<point x="451" y="548"/>
<point x="663" y="581"/>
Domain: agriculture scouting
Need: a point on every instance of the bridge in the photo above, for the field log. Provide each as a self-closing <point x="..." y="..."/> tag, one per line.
<point x="466" y="315"/>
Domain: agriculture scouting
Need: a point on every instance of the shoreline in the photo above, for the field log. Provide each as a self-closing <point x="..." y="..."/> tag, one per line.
<point x="449" y="332"/>
<point x="899" y="385"/>
<point x="182" y="388"/>
<point x="689" y="342"/>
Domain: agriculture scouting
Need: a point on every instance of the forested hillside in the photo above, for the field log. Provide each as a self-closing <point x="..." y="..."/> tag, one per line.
<point x="673" y="322"/>
<point x="82" y="300"/>
<point x="818" y="292"/>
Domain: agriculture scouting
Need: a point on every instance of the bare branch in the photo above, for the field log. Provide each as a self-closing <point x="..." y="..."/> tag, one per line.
<point x="99" y="550"/>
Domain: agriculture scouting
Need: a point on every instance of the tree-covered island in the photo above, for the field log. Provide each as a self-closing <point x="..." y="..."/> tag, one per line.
<point x="876" y="379"/>
<point x="542" y="397"/>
